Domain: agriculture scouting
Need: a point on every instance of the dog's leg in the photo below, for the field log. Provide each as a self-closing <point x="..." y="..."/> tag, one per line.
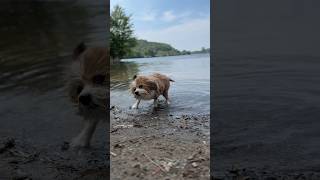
<point x="155" y="102"/>
<point x="165" y="94"/>
<point x="84" y="137"/>
<point x="135" y="106"/>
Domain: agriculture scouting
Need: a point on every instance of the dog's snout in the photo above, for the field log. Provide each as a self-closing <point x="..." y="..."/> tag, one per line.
<point x="85" y="99"/>
<point x="136" y="92"/>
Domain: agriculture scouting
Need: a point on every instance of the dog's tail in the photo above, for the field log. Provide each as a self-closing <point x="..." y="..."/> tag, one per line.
<point x="168" y="76"/>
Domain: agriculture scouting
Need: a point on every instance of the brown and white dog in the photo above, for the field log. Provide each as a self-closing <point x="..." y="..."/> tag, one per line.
<point x="87" y="89"/>
<point x="150" y="87"/>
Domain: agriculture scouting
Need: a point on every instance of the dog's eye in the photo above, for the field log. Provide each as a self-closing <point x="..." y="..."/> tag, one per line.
<point x="99" y="79"/>
<point x="140" y="86"/>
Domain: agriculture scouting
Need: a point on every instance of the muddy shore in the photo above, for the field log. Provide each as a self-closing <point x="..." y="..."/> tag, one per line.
<point x="23" y="160"/>
<point x="153" y="145"/>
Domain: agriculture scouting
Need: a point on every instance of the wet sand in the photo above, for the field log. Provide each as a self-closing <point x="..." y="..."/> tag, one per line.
<point x="153" y="145"/>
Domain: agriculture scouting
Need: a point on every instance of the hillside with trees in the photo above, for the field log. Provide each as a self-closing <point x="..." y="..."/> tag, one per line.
<point x="145" y="48"/>
<point x="202" y="51"/>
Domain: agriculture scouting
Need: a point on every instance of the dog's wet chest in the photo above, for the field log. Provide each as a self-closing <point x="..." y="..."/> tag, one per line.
<point x="151" y="95"/>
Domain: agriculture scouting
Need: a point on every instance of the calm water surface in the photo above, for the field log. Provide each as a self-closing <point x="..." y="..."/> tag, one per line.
<point x="189" y="93"/>
<point x="37" y="40"/>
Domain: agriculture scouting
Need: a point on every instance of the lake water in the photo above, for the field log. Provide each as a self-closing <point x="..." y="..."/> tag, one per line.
<point x="190" y="93"/>
<point x="266" y="113"/>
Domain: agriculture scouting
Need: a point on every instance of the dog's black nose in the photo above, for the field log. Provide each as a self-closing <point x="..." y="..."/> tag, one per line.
<point x="137" y="93"/>
<point x="85" y="99"/>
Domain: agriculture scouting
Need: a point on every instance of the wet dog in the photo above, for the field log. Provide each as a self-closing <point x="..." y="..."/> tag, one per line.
<point x="150" y="87"/>
<point x="87" y="89"/>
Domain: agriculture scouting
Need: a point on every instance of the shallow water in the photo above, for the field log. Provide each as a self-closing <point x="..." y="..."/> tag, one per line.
<point x="190" y="93"/>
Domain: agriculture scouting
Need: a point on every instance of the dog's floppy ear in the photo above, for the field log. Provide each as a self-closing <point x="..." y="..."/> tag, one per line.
<point x="134" y="77"/>
<point x="79" y="50"/>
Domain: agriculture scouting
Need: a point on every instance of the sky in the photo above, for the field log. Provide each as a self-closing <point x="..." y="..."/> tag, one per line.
<point x="184" y="24"/>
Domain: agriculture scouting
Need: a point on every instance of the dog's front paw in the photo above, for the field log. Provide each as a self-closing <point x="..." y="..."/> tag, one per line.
<point x="155" y="104"/>
<point x="134" y="107"/>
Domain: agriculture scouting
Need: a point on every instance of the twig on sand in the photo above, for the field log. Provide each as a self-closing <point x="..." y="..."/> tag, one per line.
<point x="158" y="165"/>
<point x="121" y="126"/>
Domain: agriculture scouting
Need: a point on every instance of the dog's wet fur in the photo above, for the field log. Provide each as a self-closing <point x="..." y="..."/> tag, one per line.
<point x="150" y="87"/>
<point x="87" y="88"/>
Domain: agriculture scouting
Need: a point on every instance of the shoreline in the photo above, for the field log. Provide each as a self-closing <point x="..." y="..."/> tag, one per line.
<point x="165" y="56"/>
<point x="157" y="146"/>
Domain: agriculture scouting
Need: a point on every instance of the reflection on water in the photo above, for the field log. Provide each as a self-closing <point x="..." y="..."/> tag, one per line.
<point x="190" y="93"/>
<point x="122" y="74"/>
<point x="37" y="40"/>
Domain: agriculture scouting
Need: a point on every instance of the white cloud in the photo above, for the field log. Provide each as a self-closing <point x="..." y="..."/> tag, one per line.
<point x="168" y="16"/>
<point x="189" y="35"/>
<point x="147" y="17"/>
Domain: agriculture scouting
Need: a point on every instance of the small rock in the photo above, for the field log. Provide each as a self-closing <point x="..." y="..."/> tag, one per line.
<point x="137" y="166"/>
<point x="137" y="125"/>
<point x="145" y="168"/>
<point x="194" y="164"/>
<point x="118" y="146"/>
<point x="190" y="157"/>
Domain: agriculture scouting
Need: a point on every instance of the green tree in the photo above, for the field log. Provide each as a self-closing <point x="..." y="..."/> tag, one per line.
<point x="121" y="33"/>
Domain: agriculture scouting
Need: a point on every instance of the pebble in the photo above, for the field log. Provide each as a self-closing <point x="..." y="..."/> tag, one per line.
<point x="136" y="166"/>
<point x="194" y="164"/>
<point x="118" y="145"/>
<point x="190" y="157"/>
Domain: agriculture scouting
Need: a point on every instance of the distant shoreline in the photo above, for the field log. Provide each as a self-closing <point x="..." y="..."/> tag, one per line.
<point x="148" y="49"/>
<point x="165" y="56"/>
